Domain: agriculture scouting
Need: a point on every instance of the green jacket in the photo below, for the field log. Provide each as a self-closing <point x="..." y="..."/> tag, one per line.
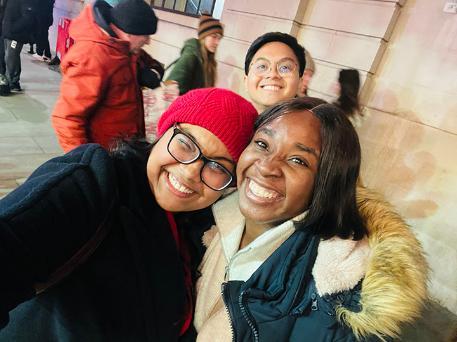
<point x="188" y="68"/>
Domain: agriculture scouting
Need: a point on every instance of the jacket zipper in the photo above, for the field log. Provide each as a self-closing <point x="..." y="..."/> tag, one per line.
<point x="226" y="298"/>
<point x="247" y="316"/>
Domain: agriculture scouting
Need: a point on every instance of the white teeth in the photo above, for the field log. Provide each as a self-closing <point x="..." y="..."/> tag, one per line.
<point x="178" y="186"/>
<point x="260" y="191"/>
<point x="271" y="87"/>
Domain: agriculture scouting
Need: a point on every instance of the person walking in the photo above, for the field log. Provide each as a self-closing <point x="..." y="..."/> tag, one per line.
<point x="197" y="67"/>
<point x="45" y="20"/>
<point x="4" y="85"/>
<point x="100" y="98"/>
<point x="18" y="23"/>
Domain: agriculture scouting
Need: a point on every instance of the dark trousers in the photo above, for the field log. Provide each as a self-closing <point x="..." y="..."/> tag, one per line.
<point x="2" y="57"/>
<point x="42" y="42"/>
<point x="13" y="61"/>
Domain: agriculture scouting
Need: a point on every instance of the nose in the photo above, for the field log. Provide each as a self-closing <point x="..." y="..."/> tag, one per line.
<point x="147" y="40"/>
<point x="269" y="167"/>
<point x="191" y="172"/>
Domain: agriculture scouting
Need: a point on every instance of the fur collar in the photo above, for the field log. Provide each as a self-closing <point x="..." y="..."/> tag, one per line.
<point x="395" y="285"/>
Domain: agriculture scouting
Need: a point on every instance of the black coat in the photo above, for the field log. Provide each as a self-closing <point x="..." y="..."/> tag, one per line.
<point x="20" y="20"/>
<point x="280" y="302"/>
<point x="2" y="13"/>
<point x="45" y="13"/>
<point x="130" y="289"/>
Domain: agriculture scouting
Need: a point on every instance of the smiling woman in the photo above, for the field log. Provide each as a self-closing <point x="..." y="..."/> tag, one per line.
<point x="106" y="221"/>
<point x="298" y="256"/>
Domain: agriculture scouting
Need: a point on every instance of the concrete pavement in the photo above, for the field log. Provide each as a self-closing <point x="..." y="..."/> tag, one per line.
<point x="26" y="135"/>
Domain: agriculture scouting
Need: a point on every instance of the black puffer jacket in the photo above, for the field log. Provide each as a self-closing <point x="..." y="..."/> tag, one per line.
<point x="130" y="289"/>
<point x="45" y="13"/>
<point x="20" y="19"/>
<point x="2" y="13"/>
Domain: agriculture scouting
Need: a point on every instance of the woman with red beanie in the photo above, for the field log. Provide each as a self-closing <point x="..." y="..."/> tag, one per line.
<point x="89" y="246"/>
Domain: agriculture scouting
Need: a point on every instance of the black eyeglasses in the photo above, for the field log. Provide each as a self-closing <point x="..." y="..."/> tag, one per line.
<point x="186" y="151"/>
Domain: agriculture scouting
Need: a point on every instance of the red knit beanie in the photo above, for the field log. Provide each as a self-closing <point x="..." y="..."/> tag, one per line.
<point x="227" y="115"/>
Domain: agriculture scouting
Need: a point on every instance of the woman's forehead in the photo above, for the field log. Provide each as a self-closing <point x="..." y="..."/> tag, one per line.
<point x="208" y="142"/>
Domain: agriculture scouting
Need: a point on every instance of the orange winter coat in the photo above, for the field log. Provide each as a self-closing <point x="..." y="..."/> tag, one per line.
<point x="100" y="99"/>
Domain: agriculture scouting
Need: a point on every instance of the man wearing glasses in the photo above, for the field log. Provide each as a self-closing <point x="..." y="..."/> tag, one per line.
<point x="273" y="67"/>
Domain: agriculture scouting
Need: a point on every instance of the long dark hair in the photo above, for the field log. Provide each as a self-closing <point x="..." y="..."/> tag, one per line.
<point x="333" y="209"/>
<point x="348" y="101"/>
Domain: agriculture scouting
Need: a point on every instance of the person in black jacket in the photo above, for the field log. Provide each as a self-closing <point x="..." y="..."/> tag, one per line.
<point x="44" y="21"/>
<point x="95" y="233"/>
<point x="4" y="84"/>
<point x="2" y="46"/>
<point x="18" y="24"/>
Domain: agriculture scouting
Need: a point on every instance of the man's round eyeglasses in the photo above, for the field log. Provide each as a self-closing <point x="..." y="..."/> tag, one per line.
<point x="185" y="150"/>
<point x="284" y="67"/>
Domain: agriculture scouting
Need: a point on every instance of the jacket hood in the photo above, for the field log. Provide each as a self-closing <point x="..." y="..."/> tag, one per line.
<point x="192" y="47"/>
<point x="93" y="25"/>
<point x="395" y="285"/>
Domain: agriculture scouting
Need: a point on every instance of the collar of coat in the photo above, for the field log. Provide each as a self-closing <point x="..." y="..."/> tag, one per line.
<point x="390" y="261"/>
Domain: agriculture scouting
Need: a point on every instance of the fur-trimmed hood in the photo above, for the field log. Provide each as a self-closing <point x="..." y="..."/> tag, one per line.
<point x="395" y="284"/>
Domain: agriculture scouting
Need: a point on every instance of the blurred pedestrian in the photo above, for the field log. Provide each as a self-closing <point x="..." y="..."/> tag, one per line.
<point x="197" y="66"/>
<point x="17" y="27"/>
<point x="4" y="84"/>
<point x="348" y="94"/>
<point x="100" y="98"/>
<point x="45" y="20"/>
<point x="307" y="75"/>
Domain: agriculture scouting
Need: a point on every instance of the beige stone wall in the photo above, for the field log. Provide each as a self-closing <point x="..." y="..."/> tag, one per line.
<point x="410" y="140"/>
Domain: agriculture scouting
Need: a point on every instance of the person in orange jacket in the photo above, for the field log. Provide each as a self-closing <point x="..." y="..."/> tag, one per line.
<point x="100" y="97"/>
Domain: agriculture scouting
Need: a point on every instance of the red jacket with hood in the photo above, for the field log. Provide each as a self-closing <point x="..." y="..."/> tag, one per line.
<point x="100" y="98"/>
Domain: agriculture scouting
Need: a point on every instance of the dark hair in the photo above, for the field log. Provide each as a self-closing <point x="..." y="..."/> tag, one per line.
<point x="348" y="101"/>
<point x="270" y="37"/>
<point x="333" y="208"/>
<point x="136" y="145"/>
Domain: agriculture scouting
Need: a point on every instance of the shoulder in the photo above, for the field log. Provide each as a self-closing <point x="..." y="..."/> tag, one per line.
<point x="191" y="47"/>
<point x="87" y="169"/>
<point x="98" y="61"/>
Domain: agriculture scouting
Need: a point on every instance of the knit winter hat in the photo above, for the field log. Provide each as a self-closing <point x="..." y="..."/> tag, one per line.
<point x="209" y="25"/>
<point x="284" y="38"/>
<point x="134" y="17"/>
<point x="226" y="114"/>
